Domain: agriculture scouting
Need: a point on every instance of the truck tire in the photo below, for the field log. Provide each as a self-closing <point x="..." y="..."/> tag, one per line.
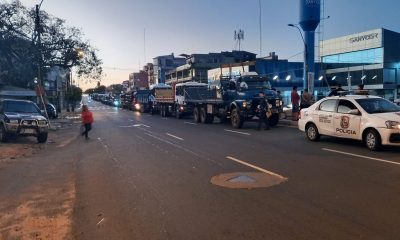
<point x="203" y="115"/>
<point x="3" y="134"/>
<point x="236" y="119"/>
<point x="210" y="118"/>
<point x="163" y="113"/>
<point x="196" y="115"/>
<point x="274" y="120"/>
<point x="42" y="137"/>
<point x="177" y="113"/>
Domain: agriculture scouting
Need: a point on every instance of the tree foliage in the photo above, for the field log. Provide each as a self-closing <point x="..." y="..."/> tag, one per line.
<point x="61" y="46"/>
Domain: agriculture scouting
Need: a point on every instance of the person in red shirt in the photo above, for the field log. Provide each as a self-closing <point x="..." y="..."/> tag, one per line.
<point x="295" y="98"/>
<point x="87" y="120"/>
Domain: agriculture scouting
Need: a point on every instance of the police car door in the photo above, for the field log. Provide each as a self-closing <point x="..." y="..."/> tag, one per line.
<point x="324" y="116"/>
<point x="347" y="120"/>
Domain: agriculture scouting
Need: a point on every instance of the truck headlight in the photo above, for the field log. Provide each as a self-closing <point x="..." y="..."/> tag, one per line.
<point x="392" y="125"/>
<point x="244" y="104"/>
<point x="13" y="121"/>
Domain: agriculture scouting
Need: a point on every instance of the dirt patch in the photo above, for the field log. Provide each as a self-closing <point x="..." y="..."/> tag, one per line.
<point x="46" y="214"/>
<point x="13" y="151"/>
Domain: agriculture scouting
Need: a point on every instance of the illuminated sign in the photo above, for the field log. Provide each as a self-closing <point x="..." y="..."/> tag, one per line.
<point x="364" y="38"/>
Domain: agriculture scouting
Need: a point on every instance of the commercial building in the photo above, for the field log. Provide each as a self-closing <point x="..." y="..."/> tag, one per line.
<point x="197" y="65"/>
<point x="164" y="64"/>
<point x="371" y="58"/>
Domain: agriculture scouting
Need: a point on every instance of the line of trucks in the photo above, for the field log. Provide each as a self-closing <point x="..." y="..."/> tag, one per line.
<point x="230" y="98"/>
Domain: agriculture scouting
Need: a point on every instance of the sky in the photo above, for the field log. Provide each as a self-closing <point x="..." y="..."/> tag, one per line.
<point x="129" y="33"/>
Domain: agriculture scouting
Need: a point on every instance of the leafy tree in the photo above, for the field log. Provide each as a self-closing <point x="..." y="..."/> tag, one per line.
<point x="62" y="46"/>
<point x="116" y="88"/>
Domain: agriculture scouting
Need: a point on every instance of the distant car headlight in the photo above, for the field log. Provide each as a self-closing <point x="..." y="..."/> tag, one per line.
<point x="392" y="125"/>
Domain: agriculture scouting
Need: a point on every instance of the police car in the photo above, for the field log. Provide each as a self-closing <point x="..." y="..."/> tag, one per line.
<point x="371" y="119"/>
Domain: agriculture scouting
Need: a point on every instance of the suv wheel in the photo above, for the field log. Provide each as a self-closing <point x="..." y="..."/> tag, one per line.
<point x="312" y="132"/>
<point x="42" y="137"/>
<point x="3" y="134"/>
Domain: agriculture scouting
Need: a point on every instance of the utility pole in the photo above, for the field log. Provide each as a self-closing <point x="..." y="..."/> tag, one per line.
<point x="40" y="89"/>
<point x="260" y="23"/>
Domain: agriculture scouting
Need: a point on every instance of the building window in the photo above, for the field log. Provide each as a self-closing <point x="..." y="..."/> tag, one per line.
<point x="370" y="56"/>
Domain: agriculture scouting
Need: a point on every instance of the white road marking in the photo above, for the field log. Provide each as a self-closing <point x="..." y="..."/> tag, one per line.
<point x="169" y="134"/>
<point x="361" y="156"/>
<point x="130" y="126"/>
<point x="190" y="123"/>
<point x="243" y="133"/>
<point x="100" y="222"/>
<point x="141" y="125"/>
<point x="255" y="167"/>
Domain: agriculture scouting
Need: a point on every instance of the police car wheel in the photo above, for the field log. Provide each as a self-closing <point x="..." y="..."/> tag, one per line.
<point x="312" y="132"/>
<point x="372" y="140"/>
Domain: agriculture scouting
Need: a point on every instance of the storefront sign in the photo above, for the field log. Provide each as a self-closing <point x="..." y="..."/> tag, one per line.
<point x="364" y="37"/>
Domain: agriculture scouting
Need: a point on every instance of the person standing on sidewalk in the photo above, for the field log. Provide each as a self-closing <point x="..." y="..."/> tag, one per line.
<point x="87" y="120"/>
<point x="295" y="98"/>
<point x="263" y="109"/>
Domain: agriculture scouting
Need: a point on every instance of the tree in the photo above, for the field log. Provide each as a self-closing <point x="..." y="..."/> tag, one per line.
<point x="62" y="46"/>
<point x="116" y="88"/>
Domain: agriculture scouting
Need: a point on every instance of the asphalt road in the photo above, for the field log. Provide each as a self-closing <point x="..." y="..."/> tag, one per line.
<point x="147" y="177"/>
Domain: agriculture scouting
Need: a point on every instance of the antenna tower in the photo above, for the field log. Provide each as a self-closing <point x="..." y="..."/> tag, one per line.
<point x="239" y="37"/>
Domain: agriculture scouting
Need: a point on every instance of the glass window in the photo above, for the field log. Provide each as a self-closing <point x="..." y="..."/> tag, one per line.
<point x="370" y="56"/>
<point x="345" y="106"/>
<point x="21" y="107"/>
<point x="328" y="105"/>
<point x="377" y="105"/>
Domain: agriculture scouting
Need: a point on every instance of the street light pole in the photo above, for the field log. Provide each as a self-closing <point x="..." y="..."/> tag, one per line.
<point x="305" y="72"/>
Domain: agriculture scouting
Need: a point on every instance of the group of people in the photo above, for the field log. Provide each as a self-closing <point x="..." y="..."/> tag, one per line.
<point x="298" y="102"/>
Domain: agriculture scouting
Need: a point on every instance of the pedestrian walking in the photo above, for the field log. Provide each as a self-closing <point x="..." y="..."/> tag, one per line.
<point x="295" y="99"/>
<point x="262" y="110"/>
<point x="87" y="120"/>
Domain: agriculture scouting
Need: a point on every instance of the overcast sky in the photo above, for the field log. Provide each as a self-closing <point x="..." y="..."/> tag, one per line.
<point x="116" y="27"/>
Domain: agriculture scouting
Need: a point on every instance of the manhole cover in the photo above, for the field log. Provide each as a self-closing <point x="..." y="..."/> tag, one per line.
<point x="241" y="178"/>
<point x="247" y="180"/>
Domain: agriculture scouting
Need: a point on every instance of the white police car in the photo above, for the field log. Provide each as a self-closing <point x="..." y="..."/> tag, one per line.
<point x="372" y="119"/>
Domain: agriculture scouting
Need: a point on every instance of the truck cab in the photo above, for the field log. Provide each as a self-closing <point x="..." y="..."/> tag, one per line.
<point x="241" y="95"/>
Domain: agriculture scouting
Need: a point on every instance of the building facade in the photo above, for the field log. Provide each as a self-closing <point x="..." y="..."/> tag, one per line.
<point x="164" y="64"/>
<point x="371" y="58"/>
<point x="197" y="65"/>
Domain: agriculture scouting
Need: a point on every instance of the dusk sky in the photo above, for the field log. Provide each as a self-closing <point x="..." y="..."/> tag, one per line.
<point x="116" y="27"/>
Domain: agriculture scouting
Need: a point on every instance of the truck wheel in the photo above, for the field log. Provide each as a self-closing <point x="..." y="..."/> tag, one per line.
<point x="3" y="134"/>
<point x="372" y="140"/>
<point x="236" y="119"/>
<point x="178" y="115"/>
<point x="163" y="114"/>
<point x="273" y="120"/>
<point x="196" y="115"/>
<point x="203" y="115"/>
<point x="42" y="137"/>
<point x="209" y="118"/>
